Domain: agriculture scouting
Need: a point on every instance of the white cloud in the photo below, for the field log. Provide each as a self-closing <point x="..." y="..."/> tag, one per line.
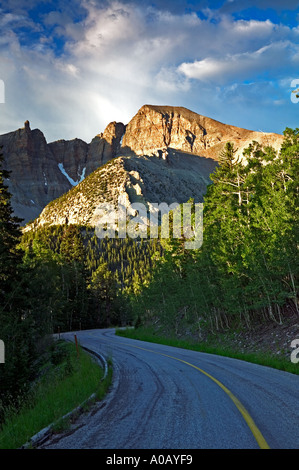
<point x="169" y="80"/>
<point x="274" y="57"/>
<point x="254" y="28"/>
<point x="120" y="56"/>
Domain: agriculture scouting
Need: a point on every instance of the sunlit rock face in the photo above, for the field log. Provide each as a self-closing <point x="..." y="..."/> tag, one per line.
<point x="156" y="128"/>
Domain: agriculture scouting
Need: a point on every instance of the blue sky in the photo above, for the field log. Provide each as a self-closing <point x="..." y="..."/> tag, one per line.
<point x="70" y="68"/>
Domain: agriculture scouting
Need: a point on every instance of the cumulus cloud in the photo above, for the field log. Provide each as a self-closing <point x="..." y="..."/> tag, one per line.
<point x="114" y="62"/>
<point x="274" y="58"/>
<point x="72" y="70"/>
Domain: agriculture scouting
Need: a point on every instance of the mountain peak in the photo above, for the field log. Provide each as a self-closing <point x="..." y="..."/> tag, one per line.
<point x="158" y="127"/>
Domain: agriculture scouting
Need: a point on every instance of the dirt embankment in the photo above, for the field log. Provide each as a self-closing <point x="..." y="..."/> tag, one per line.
<point x="271" y="338"/>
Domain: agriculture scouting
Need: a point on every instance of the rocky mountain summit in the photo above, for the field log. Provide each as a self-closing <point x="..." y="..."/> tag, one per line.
<point x="164" y="154"/>
<point x="161" y="127"/>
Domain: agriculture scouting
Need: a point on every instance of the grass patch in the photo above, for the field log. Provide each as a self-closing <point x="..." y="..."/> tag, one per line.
<point x="67" y="380"/>
<point x="148" y="334"/>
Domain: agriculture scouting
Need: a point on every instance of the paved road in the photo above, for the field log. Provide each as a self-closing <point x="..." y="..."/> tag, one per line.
<point x="170" y="398"/>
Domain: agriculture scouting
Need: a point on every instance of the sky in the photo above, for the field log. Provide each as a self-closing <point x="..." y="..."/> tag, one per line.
<point x="71" y="68"/>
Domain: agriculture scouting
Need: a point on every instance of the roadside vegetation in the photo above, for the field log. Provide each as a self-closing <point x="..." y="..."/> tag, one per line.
<point x="66" y="379"/>
<point x="266" y="359"/>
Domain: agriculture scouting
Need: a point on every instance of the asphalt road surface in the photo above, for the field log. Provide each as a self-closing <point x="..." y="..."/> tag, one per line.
<point x="170" y="398"/>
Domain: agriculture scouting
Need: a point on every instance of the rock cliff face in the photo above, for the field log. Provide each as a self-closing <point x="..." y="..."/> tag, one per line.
<point x="167" y="154"/>
<point x="35" y="178"/>
<point x="105" y="146"/>
<point x="41" y="172"/>
<point x="70" y="157"/>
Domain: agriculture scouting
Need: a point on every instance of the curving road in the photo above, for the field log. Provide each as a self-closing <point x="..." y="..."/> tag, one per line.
<point x="169" y="398"/>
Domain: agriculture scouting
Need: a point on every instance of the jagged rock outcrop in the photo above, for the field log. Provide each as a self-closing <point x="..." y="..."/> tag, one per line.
<point x="105" y="146"/>
<point x="78" y="159"/>
<point x="35" y="179"/>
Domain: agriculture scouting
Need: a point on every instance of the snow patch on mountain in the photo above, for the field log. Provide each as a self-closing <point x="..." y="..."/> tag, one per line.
<point x="73" y="183"/>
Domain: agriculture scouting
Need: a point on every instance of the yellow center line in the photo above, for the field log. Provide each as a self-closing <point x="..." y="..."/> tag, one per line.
<point x="250" y="422"/>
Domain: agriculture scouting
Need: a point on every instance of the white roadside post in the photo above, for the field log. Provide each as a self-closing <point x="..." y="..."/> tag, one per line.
<point x="2" y="352"/>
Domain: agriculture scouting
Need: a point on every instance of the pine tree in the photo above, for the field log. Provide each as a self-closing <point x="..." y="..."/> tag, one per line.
<point x="227" y="156"/>
<point x="15" y="325"/>
<point x="103" y="288"/>
<point x="10" y="235"/>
